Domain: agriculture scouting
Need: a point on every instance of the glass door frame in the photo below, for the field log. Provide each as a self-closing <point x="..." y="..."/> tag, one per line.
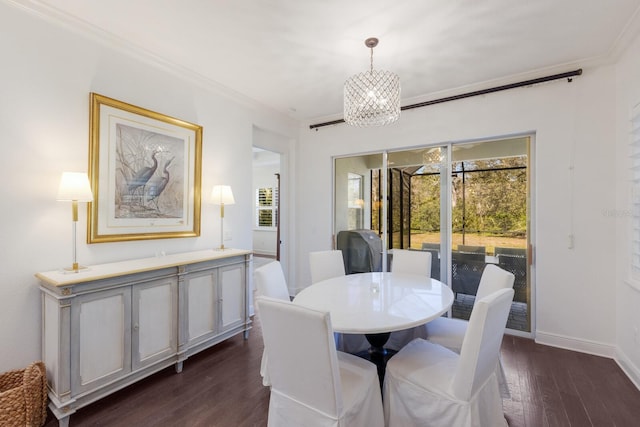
<point x="446" y="228"/>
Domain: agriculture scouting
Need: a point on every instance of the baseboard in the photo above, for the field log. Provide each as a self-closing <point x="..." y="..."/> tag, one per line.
<point x="264" y="254"/>
<point x="628" y="368"/>
<point x="574" y="344"/>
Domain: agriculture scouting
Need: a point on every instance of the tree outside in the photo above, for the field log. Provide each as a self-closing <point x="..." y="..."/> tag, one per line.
<point x="489" y="204"/>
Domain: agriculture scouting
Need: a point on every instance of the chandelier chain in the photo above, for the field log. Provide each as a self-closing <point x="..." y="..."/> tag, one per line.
<point x="371" y="60"/>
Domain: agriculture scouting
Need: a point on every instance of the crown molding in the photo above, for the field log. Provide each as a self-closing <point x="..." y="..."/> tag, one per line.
<point x="109" y="40"/>
<point x="626" y="37"/>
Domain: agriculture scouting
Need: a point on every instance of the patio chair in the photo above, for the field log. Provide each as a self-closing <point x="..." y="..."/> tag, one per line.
<point x="516" y="263"/>
<point x="466" y="271"/>
<point x="510" y="251"/>
<point x="472" y="249"/>
<point x="431" y="246"/>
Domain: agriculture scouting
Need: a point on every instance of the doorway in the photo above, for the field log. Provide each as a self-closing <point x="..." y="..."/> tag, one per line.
<point x="266" y="204"/>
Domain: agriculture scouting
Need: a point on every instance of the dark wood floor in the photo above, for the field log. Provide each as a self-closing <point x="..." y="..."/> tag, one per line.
<point x="222" y="387"/>
<point x="555" y="387"/>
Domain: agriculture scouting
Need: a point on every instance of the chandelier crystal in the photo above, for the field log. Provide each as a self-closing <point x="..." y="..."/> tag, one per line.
<point x="372" y="98"/>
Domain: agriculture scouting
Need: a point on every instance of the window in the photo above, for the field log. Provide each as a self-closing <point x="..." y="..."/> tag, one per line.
<point x="355" y="201"/>
<point x="266" y="207"/>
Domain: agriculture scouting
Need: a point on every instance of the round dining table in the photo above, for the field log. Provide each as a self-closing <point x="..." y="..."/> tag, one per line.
<point x="376" y="304"/>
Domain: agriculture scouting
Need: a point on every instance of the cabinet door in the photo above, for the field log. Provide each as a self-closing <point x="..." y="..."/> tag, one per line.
<point x="232" y="299"/>
<point x="154" y="320"/>
<point x="202" y="306"/>
<point x="101" y="338"/>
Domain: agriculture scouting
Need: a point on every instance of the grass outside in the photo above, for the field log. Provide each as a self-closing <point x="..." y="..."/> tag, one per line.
<point x="490" y="242"/>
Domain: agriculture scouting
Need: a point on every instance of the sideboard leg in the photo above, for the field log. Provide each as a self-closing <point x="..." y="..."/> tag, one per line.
<point x="62" y="412"/>
<point x="64" y="421"/>
<point x="178" y="367"/>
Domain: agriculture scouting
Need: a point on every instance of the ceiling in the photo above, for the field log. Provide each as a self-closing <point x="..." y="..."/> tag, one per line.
<point x="295" y="55"/>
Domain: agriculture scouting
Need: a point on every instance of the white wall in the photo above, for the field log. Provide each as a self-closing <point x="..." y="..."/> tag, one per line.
<point x="46" y="76"/>
<point x="573" y="124"/>
<point x="628" y="291"/>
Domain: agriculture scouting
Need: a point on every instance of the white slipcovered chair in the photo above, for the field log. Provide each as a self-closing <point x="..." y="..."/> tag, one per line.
<point x="326" y="265"/>
<point x="428" y="384"/>
<point x="270" y="282"/>
<point x="450" y="332"/>
<point x="411" y="262"/>
<point x="312" y="384"/>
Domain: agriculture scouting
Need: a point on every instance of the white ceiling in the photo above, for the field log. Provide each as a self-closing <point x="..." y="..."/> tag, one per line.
<point x="294" y="55"/>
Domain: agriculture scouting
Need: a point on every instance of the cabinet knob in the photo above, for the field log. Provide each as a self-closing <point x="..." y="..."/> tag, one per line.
<point x="136" y="327"/>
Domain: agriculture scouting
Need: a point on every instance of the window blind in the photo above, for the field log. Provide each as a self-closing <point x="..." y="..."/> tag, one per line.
<point x="266" y="207"/>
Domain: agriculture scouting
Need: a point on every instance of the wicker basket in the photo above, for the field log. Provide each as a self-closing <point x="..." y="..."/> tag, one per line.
<point x="23" y="396"/>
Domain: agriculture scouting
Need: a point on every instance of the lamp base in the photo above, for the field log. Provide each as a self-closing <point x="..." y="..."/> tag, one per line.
<point x="74" y="269"/>
<point x="222" y="248"/>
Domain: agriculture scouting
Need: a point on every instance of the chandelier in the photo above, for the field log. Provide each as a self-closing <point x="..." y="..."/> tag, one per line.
<point x="372" y="98"/>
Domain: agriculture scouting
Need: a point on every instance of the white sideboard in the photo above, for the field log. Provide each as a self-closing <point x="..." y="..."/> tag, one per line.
<point x="110" y="325"/>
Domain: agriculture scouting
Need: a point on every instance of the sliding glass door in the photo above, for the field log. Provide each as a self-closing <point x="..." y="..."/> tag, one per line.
<point x="468" y="204"/>
<point x="418" y="214"/>
<point x="490" y="222"/>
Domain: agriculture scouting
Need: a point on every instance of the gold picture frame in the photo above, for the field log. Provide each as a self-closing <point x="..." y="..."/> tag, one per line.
<point x="145" y="171"/>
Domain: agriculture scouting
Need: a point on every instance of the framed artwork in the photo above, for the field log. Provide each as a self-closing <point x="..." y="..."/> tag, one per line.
<point x="145" y="171"/>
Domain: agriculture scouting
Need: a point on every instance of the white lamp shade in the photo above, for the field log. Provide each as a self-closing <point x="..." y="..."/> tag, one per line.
<point x="74" y="186"/>
<point x="222" y="195"/>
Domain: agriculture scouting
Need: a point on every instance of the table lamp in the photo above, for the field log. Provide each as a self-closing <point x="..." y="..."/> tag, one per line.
<point x="74" y="187"/>
<point x="222" y="195"/>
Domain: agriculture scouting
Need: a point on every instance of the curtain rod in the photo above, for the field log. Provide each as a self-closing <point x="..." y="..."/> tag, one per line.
<point x="566" y="75"/>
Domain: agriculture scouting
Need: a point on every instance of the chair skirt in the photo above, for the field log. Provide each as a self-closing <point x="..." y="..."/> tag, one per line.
<point x="361" y="400"/>
<point x="399" y="339"/>
<point x="418" y="393"/>
<point x="449" y="332"/>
